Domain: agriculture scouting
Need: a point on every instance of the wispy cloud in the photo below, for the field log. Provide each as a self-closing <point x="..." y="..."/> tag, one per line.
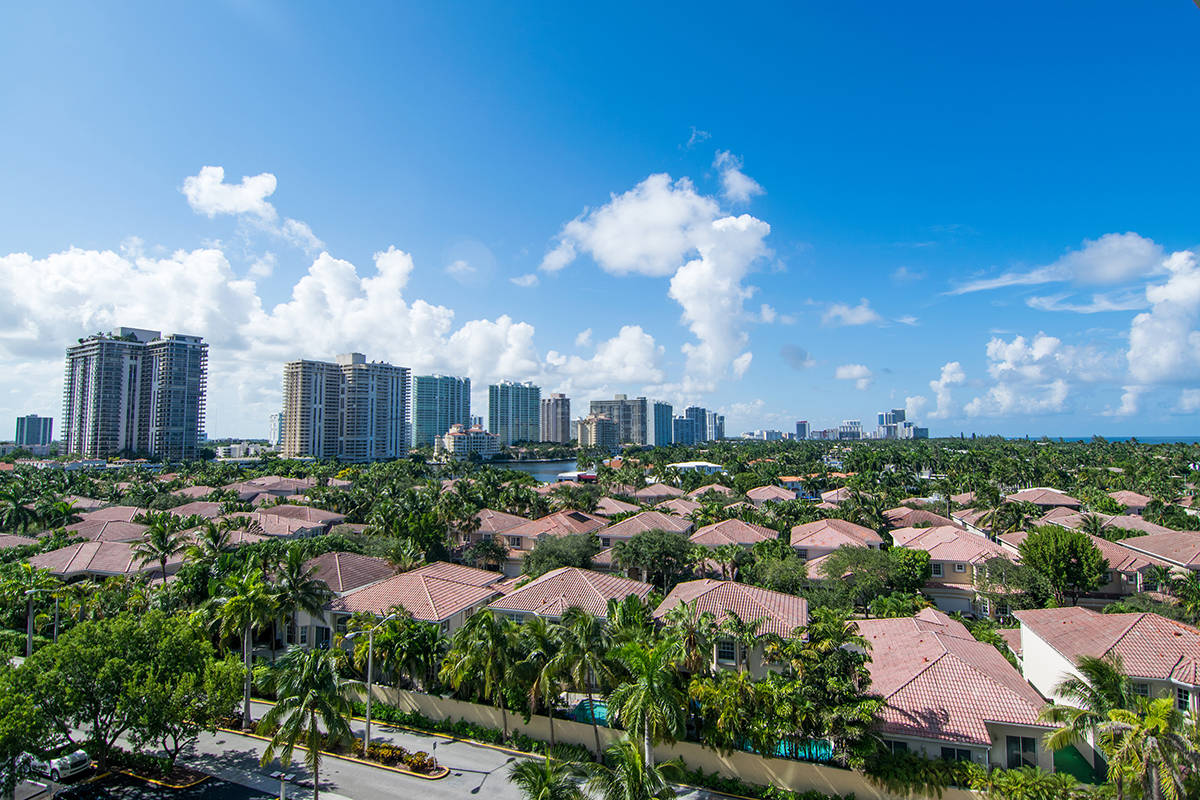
<point x="525" y="281"/>
<point x="1124" y="301"/>
<point x="843" y="314"/>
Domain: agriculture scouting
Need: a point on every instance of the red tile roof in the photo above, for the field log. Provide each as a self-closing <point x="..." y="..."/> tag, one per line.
<point x="948" y="543"/>
<point x="645" y="521"/>
<point x="108" y="531"/>
<point x="433" y="593"/>
<point x="1178" y="547"/>
<point x="939" y="683"/>
<point x="712" y="487"/>
<point x="769" y="494"/>
<point x="783" y="612"/>
<point x="304" y="514"/>
<point x="85" y="503"/>
<point x="9" y="540"/>
<point x="1130" y="499"/>
<point x="1119" y="558"/>
<point x="678" y="506"/>
<point x="560" y="523"/>
<point x="194" y="492"/>
<point x="97" y="558"/>
<point x="491" y="521"/>
<point x="905" y="517"/>
<point x="345" y="572"/>
<point x="566" y="587"/>
<point x="611" y="506"/>
<point x="732" y="531"/>
<point x="833" y="533"/>
<point x="836" y="496"/>
<point x="1150" y="646"/>
<point x="117" y="513"/>
<point x="199" y="508"/>
<point x="657" y="491"/>
<point x="1045" y="497"/>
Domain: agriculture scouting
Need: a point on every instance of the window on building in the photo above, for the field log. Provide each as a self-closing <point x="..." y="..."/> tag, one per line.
<point x="896" y="747"/>
<point x="955" y="754"/>
<point x="514" y="541"/>
<point x="445" y="626"/>
<point x="323" y="637"/>
<point x="1183" y="699"/>
<point x="340" y="624"/>
<point x="1141" y="689"/>
<point x="726" y="651"/>
<point x="1002" y="610"/>
<point x="935" y="570"/>
<point x="605" y="542"/>
<point x="1022" y="751"/>
<point x="802" y="552"/>
<point x="303" y="635"/>
<point x="960" y="567"/>
<point x="985" y="607"/>
<point x="1108" y="577"/>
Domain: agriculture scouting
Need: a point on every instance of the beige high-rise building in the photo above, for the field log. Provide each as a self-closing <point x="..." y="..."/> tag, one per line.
<point x="556" y="418"/>
<point x="350" y="409"/>
<point x="600" y="431"/>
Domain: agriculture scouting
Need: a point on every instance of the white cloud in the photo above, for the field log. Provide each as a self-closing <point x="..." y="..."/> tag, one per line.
<point x="767" y="314"/>
<point x="526" y="281"/>
<point x="263" y="266"/>
<point x="1113" y="301"/>
<point x="1189" y="401"/>
<point x="906" y="275"/>
<point x="843" y="314"/>
<point x="952" y="375"/>
<point x="907" y="320"/>
<point x="854" y="372"/>
<point x="461" y="271"/>
<point x="1164" y="343"/>
<point x="914" y="407"/>
<point x="208" y="194"/>
<point x="1129" y="402"/>
<point x="1111" y="259"/>
<point x="584" y="338"/>
<point x="631" y="358"/>
<point x="1034" y="376"/>
<point x="1006" y="399"/>
<point x="697" y="137"/>
<point x="663" y="227"/>
<point x="299" y="234"/>
<point x="736" y="186"/>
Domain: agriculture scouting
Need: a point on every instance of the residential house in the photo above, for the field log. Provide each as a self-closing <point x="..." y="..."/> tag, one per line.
<point x="10" y="540"/>
<point x="955" y="558"/>
<point x="835" y="497"/>
<point x="100" y="560"/>
<point x="972" y="519"/>
<point x="100" y="530"/>
<point x="656" y="493"/>
<point x="732" y="531"/>
<point x="819" y="538"/>
<point x="492" y="525"/>
<point x="110" y="514"/>
<point x="905" y="517"/>
<point x="551" y="594"/>
<point x="711" y="489"/>
<point x="342" y="573"/>
<point x="680" y="507"/>
<point x="197" y="508"/>
<point x="1178" y="548"/>
<point x="194" y="492"/>
<point x="769" y="494"/>
<point x="1044" y="498"/>
<point x="949" y="696"/>
<point x="1134" y="503"/>
<point x="611" y="507"/>
<point x="780" y="615"/>
<point x="520" y="539"/>
<point x="1127" y="569"/>
<point x="640" y="523"/>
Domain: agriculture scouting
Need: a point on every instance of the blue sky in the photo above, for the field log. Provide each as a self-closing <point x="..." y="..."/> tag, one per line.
<point x="990" y="218"/>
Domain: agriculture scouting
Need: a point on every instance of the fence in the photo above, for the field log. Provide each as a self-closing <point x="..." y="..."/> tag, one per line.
<point x="749" y="767"/>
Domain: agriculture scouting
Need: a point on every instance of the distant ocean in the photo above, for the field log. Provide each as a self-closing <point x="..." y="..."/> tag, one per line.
<point x="1142" y="439"/>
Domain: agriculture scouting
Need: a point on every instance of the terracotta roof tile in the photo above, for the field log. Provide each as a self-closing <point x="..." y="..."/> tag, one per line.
<point x="199" y="508"/>
<point x="345" y="572"/>
<point x="679" y="506"/>
<point x="657" y="491"/>
<point x="1119" y="558"/>
<point x="108" y="531"/>
<point x="433" y="593"/>
<point x="556" y="591"/>
<point x="833" y="533"/>
<point x="611" y="506"/>
<point x="905" y="517"/>
<point x="769" y="494"/>
<point x="492" y="521"/>
<point x="645" y="521"/>
<point x="1045" y="497"/>
<point x="948" y="543"/>
<point x="732" y="531"/>
<point x="110" y="513"/>
<point x="1178" y="547"/>
<point x="194" y="492"/>
<point x="784" y="612"/>
<point x="97" y="558"/>
<point x="560" y="523"/>
<point x="10" y="540"/>
<point x="712" y="487"/>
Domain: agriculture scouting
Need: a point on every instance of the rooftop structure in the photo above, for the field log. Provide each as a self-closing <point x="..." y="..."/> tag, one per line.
<point x="553" y="593"/>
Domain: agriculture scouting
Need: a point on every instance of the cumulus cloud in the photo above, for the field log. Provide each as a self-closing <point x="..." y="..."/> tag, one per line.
<point x="584" y="338"/>
<point x="914" y="407"/>
<point x="952" y="375"/>
<point x="1111" y="259"/>
<point x="663" y="227"/>
<point x="208" y="194"/>
<point x="854" y="372"/>
<point x="736" y="186"/>
<point x="525" y="281"/>
<point x="1033" y="376"/>
<point x="1164" y="343"/>
<point x="796" y="357"/>
<point x="631" y="358"/>
<point x="1189" y="401"/>
<point x="767" y="314"/>
<point x="1129" y="402"/>
<point x="843" y="314"/>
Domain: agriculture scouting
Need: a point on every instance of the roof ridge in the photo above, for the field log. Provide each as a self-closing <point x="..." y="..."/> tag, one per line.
<point x="428" y="595"/>
<point x="923" y="669"/>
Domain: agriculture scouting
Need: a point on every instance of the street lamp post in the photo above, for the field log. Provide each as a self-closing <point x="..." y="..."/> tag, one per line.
<point x="29" y="593"/>
<point x="370" y="673"/>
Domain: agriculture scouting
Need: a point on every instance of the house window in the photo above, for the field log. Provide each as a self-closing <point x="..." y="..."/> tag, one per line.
<point x="985" y="607"/>
<point x="340" y="624"/>
<point x="726" y="651"/>
<point x="955" y="754"/>
<point x="445" y="626"/>
<point x="1108" y="577"/>
<point x="896" y="747"/>
<point x="935" y="570"/>
<point x="323" y="637"/>
<point x="1002" y="610"/>
<point x="303" y="635"/>
<point x="802" y="552"/>
<point x="514" y="541"/>
<point x="1183" y="699"/>
<point x="1141" y="689"/>
<point x="960" y="567"/>
<point x="605" y="542"/>
<point x="1022" y="751"/>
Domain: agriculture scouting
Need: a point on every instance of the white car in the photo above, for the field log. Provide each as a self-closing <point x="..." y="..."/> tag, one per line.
<point x="65" y="766"/>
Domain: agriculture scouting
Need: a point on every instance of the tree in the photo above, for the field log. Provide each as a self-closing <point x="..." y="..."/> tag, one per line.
<point x="487" y="553"/>
<point x="541" y="640"/>
<point x="161" y="542"/>
<point x="584" y="656"/>
<point x="692" y="634"/>
<point x="744" y="634"/>
<point x="908" y="570"/>
<point x="730" y="709"/>
<point x="1187" y="589"/>
<point x="628" y="774"/>
<point x="1101" y="687"/>
<point x="15" y="511"/>
<point x="23" y="728"/>
<point x="296" y="589"/>
<point x="244" y="605"/>
<point x="1068" y="560"/>
<point x="661" y="556"/>
<point x="1148" y="749"/>
<point x="403" y="646"/>
<point x="552" y="552"/>
<point x="650" y="705"/>
<point x="546" y="779"/>
<point x="311" y="698"/>
<point x="482" y="657"/>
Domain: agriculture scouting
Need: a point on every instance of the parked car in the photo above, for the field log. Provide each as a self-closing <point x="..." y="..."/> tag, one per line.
<point x="65" y="766"/>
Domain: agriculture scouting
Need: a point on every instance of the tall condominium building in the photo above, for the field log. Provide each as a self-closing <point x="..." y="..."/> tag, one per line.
<point x="716" y="426"/>
<point x="467" y="443"/>
<point x="275" y="429"/>
<point x="34" y="431"/>
<point x="639" y="421"/>
<point x="135" y="391"/>
<point x="556" y="418"/>
<point x="699" y="418"/>
<point x="348" y="409"/>
<point x="802" y="429"/>
<point x="684" y="430"/>
<point x="514" y="411"/>
<point x="599" y="431"/>
<point x="438" y="403"/>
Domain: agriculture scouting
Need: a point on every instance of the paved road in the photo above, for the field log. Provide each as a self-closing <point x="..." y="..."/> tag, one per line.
<point x="475" y="770"/>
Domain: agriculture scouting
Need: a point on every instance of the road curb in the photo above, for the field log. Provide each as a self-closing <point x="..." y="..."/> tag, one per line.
<point x="443" y="771"/>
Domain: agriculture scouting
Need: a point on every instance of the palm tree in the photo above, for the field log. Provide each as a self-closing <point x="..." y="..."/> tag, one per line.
<point x="1101" y="687"/>
<point x="650" y="704"/>
<point x="627" y="774"/>
<point x="244" y="603"/>
<point x="15" y="511"/>
<point x="727" y="555"/>
<point x="310" y="698"/>
<point x="692" y="633"/>
<point x="546" y="779"/>
<point x="161" y="542"/>
<point x="1093" y="524"/>
<point x="1187" y="589"/>
<point x="584" y="656"/>
<point x="541" y="641"/>
<point x="482" y="655"/>
<point x="744" y="634"/>
<point x="1149" y="748"/>
<point x="1160" y="577"/>
<point x="295" y="589"/>
<point x="209" y="543"/>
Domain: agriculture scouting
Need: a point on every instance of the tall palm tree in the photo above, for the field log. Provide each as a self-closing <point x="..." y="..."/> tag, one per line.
<point x="692" y="633"/>
<point x="546" y="779"/>
<point x="1160" y="577"/>
<point x="243" y="605"/>
<point x="726" y="556"/>
<point x="209" y="543"/>
<point x="1187" y="589"/>
<point x="1101" y="687"/>
<point x="651" y="704"/>
<point x="628" y="774"/>
<point x="482" y="656"/>
<point x="541" y="641"/>
<point x="744" y="634"/>
<point x="1093" y="524"/>
<point x="161" y="542"/>
<point x="295" y="589"/>
<point x="1149" y="748"/>
<point x="15" y="511"/>
<point x="311" y="699"/>
<point x="584" y="656"/>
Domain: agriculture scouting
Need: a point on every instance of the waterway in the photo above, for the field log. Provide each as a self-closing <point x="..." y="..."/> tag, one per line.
<point x="544" y="471"/>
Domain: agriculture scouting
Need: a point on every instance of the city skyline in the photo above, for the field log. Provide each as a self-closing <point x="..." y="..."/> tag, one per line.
<point x="995" y="246"/>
